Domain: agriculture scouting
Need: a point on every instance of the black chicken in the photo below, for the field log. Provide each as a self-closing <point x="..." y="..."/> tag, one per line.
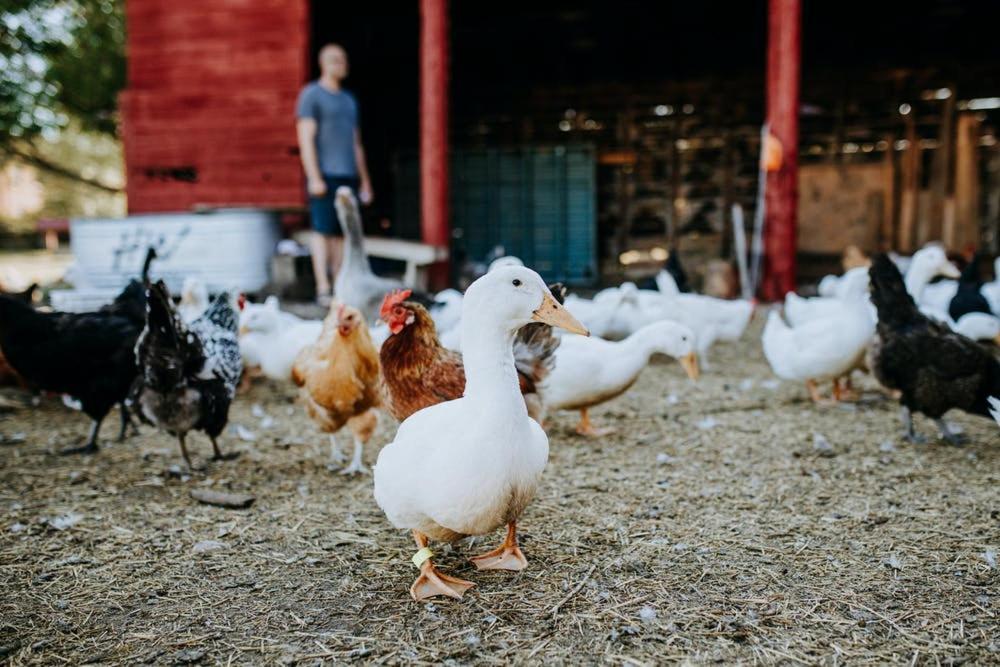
<point x="934" y="368"/>
<point x="188" y="374"/>
<point x="968" y="298"/>
<point x="89" y="356"/>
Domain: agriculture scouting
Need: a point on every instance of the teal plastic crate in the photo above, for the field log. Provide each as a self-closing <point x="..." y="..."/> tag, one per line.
<point x="538" y="202"/>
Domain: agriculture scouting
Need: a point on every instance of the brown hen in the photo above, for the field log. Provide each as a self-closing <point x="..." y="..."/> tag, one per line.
<point x="338" y="379"/>
<point x="418" y="372"/>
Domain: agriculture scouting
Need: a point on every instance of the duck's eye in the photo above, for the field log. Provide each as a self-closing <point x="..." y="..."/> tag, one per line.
<point x="516" y="282"/>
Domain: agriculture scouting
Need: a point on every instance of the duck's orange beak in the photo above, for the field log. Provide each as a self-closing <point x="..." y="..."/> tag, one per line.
<point x="552" y="312"/>
<point x="689" y="362"/>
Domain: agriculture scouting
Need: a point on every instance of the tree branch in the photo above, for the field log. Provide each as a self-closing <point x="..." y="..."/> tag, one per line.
<point x="47" y="165"/>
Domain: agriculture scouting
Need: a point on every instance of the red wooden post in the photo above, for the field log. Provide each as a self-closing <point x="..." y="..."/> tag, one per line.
<point x="783" y="65"/>
<point x="434" y="209"/>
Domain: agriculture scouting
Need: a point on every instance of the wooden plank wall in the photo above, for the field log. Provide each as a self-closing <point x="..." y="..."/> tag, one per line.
<point x="208" y="112"/>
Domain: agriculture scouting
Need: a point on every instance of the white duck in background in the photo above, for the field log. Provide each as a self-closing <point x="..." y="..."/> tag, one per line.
<point x="991" y="290"/>
<point x="591" y="371"/>
<point x="818" y="350"/>
<point x="194" y="300"/>
<point x="271" y="338"/>
<point x="447" y="309"/>
<point x="356" y="283"/>
<point x="607" y="313"/>
<point x="978" y="326"/>
<point x="852" y="286"/>
<point x="468" y="466"/>
<point x="925" y="265"/>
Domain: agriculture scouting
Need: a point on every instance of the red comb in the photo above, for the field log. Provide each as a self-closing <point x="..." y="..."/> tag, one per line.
<point x="241" y="301"/>
<point x="392" y="299"/>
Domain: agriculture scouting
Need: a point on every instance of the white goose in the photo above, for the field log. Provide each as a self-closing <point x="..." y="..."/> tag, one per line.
<point x="356" y="283"/>
<point x="591" y="371"/>
<point x="471" y="465"/>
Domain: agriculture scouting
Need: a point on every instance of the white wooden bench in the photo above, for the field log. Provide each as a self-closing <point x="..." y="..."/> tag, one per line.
<point x="417" y="257"/>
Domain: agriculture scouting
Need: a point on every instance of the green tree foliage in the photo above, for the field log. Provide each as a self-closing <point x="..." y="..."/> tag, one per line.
<point x="62" y="62"/>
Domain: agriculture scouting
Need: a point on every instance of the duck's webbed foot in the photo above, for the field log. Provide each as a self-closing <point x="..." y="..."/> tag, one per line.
<point x="814" y="394"/>
<point x="431" y="581"/>
<point x="507" y="556"/>
<point x="587" y="429"/>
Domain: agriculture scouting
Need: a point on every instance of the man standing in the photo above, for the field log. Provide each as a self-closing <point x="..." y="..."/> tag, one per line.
<point x="332" y="156"/>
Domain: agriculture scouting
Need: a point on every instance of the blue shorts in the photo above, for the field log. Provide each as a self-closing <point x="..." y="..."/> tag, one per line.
<point x="322" y="212"/>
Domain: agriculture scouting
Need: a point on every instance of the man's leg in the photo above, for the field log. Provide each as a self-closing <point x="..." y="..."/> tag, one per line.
<point x="321" y="263"/>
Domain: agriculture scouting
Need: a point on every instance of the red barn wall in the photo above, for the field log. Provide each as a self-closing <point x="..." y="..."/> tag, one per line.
<point x="208" y="112"/>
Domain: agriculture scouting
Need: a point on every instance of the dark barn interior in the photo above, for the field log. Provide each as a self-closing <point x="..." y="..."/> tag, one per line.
<point x="669" y="98"/>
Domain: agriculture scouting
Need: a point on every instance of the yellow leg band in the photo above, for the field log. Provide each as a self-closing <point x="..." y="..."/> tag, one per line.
<point x="422" y="556"/>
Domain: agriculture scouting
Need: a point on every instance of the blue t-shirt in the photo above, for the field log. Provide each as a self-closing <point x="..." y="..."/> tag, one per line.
<point x="336" y="116"/>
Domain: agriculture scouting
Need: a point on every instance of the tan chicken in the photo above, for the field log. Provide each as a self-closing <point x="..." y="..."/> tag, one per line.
<point x="338" y="379"/>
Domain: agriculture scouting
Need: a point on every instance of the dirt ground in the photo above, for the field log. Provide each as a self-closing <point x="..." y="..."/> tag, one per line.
<point x="726" y="521"/>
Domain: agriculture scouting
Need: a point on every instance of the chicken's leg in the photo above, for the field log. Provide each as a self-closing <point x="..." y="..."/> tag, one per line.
<point x="507" y="556"/>
<point x="126" y="417"/>
<point x="336" y="455"/>
<point x="910" y="433"/>
<point x="431" y="581"/>
<point x="356" y="465"/>
<point x="584" y="427"/>
<point x="89" y="447"/>
<point x="219" y="456"/>
<point x="362" y="426"/>
<point x="184" y="450"/>
<point x="953" y="438"/>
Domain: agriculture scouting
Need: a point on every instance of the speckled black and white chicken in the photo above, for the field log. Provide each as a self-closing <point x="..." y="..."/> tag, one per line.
<point x="187" y="373"/>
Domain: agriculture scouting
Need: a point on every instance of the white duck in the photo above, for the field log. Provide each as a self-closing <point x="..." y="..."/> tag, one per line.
<point x="471" y="465"/>
<point x="271" y="338"/>
<point x="991" y="290"/>
<point x="356" y="283"/>
<point x="822" y="349"/>
<point x="609" y="313"/>
<point x="853" y="285"/>
<point x="447" y="309"/>
<point x="978" y="326"/>
<point x="926" y="264"/>
<point x="591" y="371"/>
<point x="194" y="300"/>
<point x="710" y="318"/>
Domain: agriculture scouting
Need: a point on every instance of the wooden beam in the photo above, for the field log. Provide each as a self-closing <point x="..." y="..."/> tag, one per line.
<point x="886" y="236"/>
<point x="783" y="66"/>
<point x="966" y="228"/>
<point x="940" y="214"/>
<point x="434" y="94"/>
<point x="909" y="186"/>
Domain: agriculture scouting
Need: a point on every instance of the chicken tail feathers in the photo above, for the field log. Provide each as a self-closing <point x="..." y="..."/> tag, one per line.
<point x="161" y="325"/>
<point x="894" y="304"/>
<point x="150" y="256"/>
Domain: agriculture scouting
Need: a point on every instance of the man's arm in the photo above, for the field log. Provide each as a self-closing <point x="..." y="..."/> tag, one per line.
<point x="306" y="130"/>
<point x="366" y="193"/>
